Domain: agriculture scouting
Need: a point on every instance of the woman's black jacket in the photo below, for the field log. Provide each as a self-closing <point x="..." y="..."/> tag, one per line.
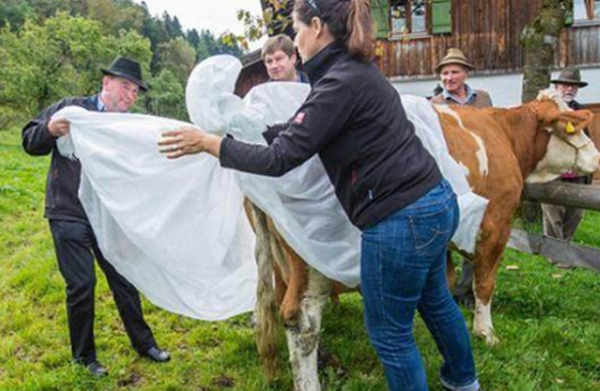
<point x="354" y="119"/>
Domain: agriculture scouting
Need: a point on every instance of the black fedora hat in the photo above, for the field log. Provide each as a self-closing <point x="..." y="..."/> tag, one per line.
<point x="127" y="69"/>
<point x="570" y="76"/>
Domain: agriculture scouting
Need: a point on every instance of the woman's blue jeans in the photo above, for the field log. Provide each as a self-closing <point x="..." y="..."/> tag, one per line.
<point x="403" y="269"/>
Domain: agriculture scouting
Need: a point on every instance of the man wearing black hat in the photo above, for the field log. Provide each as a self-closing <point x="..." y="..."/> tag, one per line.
<point x="561" y="222"/>
<point x="74" y="240"/>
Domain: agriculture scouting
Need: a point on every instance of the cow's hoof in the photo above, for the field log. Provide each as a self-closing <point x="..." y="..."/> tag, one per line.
<point x="489" y="337"/>
<point x="491" y="340"/>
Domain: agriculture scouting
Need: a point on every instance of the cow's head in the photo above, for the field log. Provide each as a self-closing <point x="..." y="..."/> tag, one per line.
<point x="569" y="148"/>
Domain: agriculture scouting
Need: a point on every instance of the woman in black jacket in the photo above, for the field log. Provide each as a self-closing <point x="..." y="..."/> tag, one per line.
<point x="388" y="184"/>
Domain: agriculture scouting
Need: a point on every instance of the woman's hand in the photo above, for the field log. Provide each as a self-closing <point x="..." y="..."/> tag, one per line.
<point x="189" y="140"/>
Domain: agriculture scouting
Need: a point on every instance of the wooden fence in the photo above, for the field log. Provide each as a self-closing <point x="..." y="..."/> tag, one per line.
<point x="567" y="253"/>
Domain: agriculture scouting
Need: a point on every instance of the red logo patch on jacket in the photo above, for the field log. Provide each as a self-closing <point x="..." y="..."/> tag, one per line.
<point x="299" y="118"/>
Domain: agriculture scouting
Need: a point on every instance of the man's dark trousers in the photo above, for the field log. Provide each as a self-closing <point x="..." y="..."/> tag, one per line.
<point x="76" y="247"/>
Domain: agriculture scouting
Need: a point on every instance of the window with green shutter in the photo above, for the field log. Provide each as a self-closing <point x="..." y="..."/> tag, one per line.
<point x="441" y="16"/>
<point x="380" y="10"/>
<point x="409" y="17"/>
<point x="395" y="18"/>
<point x="569" y="17"/>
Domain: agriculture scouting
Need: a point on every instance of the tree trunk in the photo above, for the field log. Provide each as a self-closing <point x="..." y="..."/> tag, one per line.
<point x="540" y="39"/>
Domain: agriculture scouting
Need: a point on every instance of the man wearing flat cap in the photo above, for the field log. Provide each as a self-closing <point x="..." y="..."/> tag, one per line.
<point x="74" y="240"/>
<point x="559" y="221"/>
<point x="454" y="70"/>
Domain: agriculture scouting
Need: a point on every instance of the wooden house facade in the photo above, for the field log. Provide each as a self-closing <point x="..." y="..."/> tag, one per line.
<point x="413" y="36"/>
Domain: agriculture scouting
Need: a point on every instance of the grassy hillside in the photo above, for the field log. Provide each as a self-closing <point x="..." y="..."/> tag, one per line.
<point x="548" y="321"/>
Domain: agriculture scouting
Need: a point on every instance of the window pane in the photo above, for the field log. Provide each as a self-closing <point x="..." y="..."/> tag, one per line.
<point x="597" y="9"/>
<point x="418" y="16"/>
<point x="398" y="15"/>
<point x="579" y="11"/>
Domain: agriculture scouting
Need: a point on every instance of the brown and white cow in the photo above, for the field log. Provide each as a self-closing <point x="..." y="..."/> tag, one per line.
<point x="499" y="149"/>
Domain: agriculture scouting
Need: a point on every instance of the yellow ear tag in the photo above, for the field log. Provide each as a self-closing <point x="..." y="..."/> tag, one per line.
<point x="570" y="129"/>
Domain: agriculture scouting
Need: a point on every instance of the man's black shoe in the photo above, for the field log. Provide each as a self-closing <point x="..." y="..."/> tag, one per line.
<point x="96" y="369"/>
<point x="156" y="354"/>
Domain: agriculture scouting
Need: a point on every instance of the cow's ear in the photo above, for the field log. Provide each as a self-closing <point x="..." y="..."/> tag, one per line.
<point x="574" y="121"/>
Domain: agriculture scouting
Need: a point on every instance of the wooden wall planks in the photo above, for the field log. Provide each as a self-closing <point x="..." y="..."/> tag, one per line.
<point x="489" y="33"/>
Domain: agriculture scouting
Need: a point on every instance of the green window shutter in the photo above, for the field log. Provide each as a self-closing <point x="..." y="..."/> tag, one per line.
<point x="380" y="10"/>
<point x="441" y="16"/>
<point x="569" y="17"/>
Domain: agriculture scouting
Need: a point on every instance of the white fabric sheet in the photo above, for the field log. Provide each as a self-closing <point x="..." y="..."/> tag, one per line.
<point x="177" y="230"/>
<point x="302" y="203"/>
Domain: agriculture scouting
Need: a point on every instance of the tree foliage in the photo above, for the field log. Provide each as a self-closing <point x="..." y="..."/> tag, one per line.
<point x="50" y="49"/>
<point x="61" y="57"/>
<point x="540" y="40"/>
<point x="177" y="56"/>
<point x="15" y="12"/>
<point x="167" y="96"/>
<point x="275" y="19"/>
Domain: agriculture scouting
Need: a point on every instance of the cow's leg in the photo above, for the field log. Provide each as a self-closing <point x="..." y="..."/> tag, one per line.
<point x="290" y="307"/>
<point x="492" y="241"/>
<point x="482" y="323"/>
<point x="463" y="290"/>
<point x="303" y="339"/>
<point x="450" y="270"/>
<point x="280" y="286"/>
<point x="297" y="278"/>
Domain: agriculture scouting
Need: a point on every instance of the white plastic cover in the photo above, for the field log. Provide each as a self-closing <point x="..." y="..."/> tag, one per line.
<point x="302" y="203"/>
<point x="176" y="229"/>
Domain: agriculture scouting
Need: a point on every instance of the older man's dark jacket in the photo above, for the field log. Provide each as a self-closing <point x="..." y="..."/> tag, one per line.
<point x="62" y="186"/>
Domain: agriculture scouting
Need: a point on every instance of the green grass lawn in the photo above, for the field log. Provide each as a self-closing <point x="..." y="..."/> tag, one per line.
<point x="548" y="321"/>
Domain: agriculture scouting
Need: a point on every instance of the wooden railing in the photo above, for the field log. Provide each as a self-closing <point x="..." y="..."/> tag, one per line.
<point x="567" y="253"/>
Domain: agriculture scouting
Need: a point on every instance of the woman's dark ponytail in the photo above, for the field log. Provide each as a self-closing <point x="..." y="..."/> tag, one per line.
<point x="360" y="40"/>
<point x="349" y="21"/>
